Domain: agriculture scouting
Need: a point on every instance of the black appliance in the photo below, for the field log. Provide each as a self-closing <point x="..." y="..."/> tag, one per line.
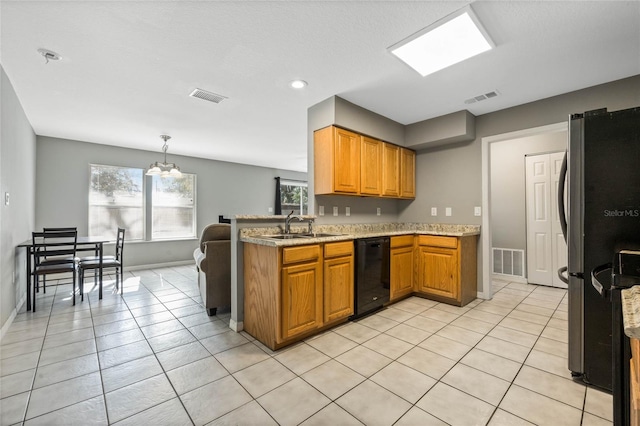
<point x="610" y="280"/>
<point x="371" y="275"/>
<point x="603" y="217"/>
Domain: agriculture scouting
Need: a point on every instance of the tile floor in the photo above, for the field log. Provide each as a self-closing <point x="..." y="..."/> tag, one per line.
<point x="155" y="357"/>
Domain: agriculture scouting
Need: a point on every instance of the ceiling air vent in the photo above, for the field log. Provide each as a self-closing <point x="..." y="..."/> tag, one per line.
<point x="207" y="96"/>
<point x="481" y="97"/>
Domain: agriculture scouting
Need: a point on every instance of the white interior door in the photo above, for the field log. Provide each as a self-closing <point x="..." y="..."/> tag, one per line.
<point x="538" y="199"/>
<point x="558" y="244"/>
<point x="546" y="249"/>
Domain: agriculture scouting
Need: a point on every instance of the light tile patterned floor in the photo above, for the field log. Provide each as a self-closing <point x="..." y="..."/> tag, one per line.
<point x="155" y="357"/>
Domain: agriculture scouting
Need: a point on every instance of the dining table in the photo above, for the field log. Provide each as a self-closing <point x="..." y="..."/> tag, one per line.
<point x="92" y="243"/>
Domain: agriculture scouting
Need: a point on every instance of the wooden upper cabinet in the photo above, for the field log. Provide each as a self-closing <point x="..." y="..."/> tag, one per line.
<point x="407" y="173"/>
<point x="370" y="166"/>
<point x="347" y="163"/>
<point x="390" y="170"/>
<point x="337" y="161"/>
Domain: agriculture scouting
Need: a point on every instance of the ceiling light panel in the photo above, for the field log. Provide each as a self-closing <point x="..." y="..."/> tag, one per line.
<point x="453" y="39"/>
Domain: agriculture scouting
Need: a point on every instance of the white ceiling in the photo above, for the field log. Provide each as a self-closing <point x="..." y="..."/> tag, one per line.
<point x="128" y="67"/>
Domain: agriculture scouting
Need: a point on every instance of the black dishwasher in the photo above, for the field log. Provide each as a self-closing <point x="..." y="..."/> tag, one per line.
<point x="371" y="275"/>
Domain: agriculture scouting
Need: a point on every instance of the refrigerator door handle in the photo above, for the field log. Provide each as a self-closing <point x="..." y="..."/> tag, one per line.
<point x="561" y="207"/>
<point x="562" y="213"/>
<point x="563" y="274"/>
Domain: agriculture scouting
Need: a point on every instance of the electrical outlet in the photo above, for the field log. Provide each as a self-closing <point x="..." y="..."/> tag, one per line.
<point x="378" y="211"/>
<point x="434" y="211"/>
<point x="270" y="209"/>
<point x="347" y="211"/>
<point x="447" y="211"/>
<point x="477" y="211"/>
<point x="320" y="210"/>
<point x="335" y="211"/>
<point x="6" y="198"/>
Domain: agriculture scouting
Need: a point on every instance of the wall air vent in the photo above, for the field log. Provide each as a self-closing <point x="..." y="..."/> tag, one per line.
<point x="481" y="97"/>
<point x="508" y="262"/>
<point x="207" y="96"/>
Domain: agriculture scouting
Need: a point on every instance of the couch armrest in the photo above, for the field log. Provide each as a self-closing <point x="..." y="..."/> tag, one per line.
<point x="217" y="257"/>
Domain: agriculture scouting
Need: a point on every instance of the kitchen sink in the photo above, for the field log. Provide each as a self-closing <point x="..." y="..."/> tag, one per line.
<point x="300" y="235"/>
<point x="281" y="236"/>
<point x="318" y="235"/>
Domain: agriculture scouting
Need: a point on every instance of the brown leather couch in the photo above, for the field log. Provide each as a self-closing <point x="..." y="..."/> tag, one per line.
<point x="213" y="261"/>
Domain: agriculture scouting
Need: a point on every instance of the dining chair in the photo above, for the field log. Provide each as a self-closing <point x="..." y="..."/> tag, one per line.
<point x="55" y="259"/>
<point x="94" y="263"/>
<point x="51" y="251"/>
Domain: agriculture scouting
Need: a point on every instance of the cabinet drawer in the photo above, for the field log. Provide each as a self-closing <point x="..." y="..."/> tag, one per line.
<point x="343" y="248"/>
<point x="300" y="254"/>
<point x="402" y="241"/>
<point x="438" y="241"/>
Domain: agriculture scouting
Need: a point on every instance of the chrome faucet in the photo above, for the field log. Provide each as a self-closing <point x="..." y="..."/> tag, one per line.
<point x="287" y="222"/>
<point x="310" y="229"/>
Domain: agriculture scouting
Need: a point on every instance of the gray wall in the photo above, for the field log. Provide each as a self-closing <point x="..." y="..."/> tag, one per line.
<point x="452" y="175"/>
<point x="342" y="113"/>
<point x="223" y="188"/>
<point x="507" y="164"/>
<point x="17" y="177"/>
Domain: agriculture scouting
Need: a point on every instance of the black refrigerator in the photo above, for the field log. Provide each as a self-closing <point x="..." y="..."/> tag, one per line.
<point x="603" y="217"/>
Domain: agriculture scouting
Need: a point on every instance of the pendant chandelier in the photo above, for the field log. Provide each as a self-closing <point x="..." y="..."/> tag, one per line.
<point x="164" y="169"/>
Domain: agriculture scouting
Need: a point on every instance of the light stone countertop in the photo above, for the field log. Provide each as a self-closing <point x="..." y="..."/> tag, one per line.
<point x="631" y="311"/>
<point x="353" y="231"/>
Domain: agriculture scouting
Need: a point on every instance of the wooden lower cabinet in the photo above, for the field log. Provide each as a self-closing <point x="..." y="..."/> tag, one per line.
<point x="293" y="292"/>
<point x="338" y="283"/>
<point x="438" y="271"/>
<point x="447" y="268"/>
<point x="301" y="298"/>
<point x="402" y="255"/>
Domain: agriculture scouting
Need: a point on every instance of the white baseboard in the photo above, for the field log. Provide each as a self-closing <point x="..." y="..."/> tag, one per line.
<point x="160" y="265"/>
<point x="9" y="321"/>
<point x="509" y="278"/>
<point x="482" y="296"/>
<point x="236" y="326"/>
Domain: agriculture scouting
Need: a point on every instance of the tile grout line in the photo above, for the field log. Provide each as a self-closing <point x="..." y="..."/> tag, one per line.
<point x="332" y="358"/>
<point x="523" y="364"/>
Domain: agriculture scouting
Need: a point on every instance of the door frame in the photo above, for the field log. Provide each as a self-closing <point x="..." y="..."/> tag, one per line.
<point x="487" y="291"/>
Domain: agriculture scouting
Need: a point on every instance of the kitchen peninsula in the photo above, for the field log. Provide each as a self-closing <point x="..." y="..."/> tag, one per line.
<point x="298" y="286"/>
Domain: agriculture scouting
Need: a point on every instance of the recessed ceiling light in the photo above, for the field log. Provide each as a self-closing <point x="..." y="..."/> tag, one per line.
<point x="453" y="39"/>
<point x="298" y="84"/>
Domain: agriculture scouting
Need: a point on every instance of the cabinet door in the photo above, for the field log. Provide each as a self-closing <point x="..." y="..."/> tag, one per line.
<point x="401" y="271"/>
<point x="301" y="298"/>
<point x="370" y="166"/>
<point x="346" y="162"/>
<point x="438" y="271"/>
<point x="407" y="173"/>
<point x="338" y="288"/>
<point x="390" y="170"/>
